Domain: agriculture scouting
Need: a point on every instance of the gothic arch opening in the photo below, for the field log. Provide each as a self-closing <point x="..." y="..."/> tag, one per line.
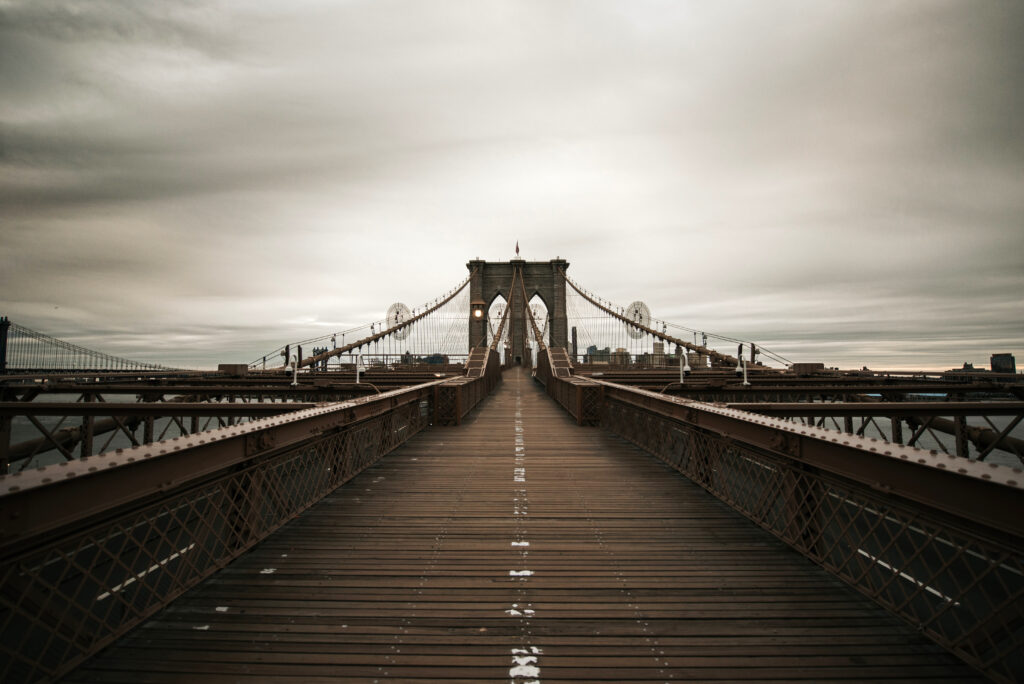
<point x="539" y="308"/>
<point x="494" y="314"/>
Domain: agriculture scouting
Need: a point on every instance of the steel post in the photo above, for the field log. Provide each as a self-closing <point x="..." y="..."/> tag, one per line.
<point x="5" y="326"/>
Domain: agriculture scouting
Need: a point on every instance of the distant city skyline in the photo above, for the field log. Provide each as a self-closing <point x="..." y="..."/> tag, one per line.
<point x="194" y="184"/>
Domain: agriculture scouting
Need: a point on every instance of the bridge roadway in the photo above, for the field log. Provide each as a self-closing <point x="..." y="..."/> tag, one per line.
<point x="520" y="547"/>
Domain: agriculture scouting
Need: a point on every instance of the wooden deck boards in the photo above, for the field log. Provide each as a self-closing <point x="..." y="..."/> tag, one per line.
<point x="520" y="547"/>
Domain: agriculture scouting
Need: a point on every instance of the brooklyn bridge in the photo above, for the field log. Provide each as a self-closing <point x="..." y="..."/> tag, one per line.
<point x="516" y="480"/>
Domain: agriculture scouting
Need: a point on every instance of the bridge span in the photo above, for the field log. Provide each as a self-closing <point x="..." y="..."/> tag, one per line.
<point x="521" y="547"/>
<point x="405" y="503"/>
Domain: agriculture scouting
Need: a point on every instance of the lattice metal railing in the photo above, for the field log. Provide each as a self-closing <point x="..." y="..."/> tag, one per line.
<point x="455" y="398"/>
<point x="960" y="583"/>
<point x="580" y="397"/>
<point x="50" y="432"/>
<point x="67" y="592"/>
<point x="968" y="429"/>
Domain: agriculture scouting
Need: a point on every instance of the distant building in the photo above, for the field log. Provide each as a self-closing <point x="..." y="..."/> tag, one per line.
<point x="659" y="353"/>
<point x="1003" y="363"/>
<point x="620" y="357"/>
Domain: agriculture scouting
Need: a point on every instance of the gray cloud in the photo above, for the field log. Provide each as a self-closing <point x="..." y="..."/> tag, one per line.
<point x="836" y="178"/>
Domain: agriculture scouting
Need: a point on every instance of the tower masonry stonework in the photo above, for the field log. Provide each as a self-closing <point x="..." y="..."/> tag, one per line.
<point x="491" y="279"/>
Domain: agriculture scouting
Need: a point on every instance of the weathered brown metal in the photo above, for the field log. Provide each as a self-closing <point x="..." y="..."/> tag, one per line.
<point x="938" y="540"/>
<point x="579" y="396"/>
<point x="109" y="408"/>
<point x="456" y="397"/>
<point x="90" y="548"/>
<point x="883" y="408"/>
<point x="983" y="493"/>
<point x="919" y="415"/>
<point x="623" y="572"/>
<point x="37" y="501"/>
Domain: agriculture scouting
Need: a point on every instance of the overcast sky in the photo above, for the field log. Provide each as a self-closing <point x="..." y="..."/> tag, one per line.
<point x="199" y="182"/>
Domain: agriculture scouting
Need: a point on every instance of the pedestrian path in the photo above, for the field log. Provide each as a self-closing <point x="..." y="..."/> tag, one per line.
<point x="521" y="548"/>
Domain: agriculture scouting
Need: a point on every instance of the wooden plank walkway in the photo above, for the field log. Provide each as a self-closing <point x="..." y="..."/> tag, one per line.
<point x="520" y="548"/>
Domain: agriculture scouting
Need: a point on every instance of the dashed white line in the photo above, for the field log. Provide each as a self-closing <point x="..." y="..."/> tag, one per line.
<point x="152" y="568"/>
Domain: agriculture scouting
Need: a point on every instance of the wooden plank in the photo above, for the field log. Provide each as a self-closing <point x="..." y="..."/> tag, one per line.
<point x="520" y="534"/>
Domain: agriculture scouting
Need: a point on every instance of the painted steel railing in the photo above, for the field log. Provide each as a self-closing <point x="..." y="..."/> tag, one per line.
<point x="579" y="396"/>
<point x="935" y="539"/>
<point x="90" y="548"/>
<point x="456" y="397"/>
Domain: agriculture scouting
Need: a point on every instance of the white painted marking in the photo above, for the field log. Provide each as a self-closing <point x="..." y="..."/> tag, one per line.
<point x="907" y="577"/>
<point x="851" y="502"/>
<point x="520" y="573"/>
<point x="152" y="568"/>
<point x="221" y="609"/>
<point x="200" y="628"/>
<point x="513" y="612"/>
<point x="268" y="571"/>
<point x="525" y="664"/>
<point x="520" y="543"/>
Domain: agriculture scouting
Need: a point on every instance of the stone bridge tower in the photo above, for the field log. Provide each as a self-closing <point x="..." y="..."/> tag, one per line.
<point x="493" y="278"/>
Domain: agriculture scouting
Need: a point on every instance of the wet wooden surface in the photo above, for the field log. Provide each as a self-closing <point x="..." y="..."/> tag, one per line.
<point x="519" y="547"/>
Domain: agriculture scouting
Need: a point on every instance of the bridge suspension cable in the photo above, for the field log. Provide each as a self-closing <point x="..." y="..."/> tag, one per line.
<point x="607" y="323"/>
<point x="538" y="336"/>
<point x="25" y="350"/>
<point x="436" y="329"/>
<point x="501" y="334"/>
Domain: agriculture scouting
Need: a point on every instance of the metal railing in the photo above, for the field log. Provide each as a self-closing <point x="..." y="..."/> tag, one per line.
<point x="456" y="397"/>
<point x="935" y="539"/>
<point x="942" y="424"/>
<point x="90" y="548"/>
<point x="69" y="430"/>
<point x="580" y="397"/>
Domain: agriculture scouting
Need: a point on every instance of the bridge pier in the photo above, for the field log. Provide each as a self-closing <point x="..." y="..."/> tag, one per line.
<point x="546" y="279"/>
